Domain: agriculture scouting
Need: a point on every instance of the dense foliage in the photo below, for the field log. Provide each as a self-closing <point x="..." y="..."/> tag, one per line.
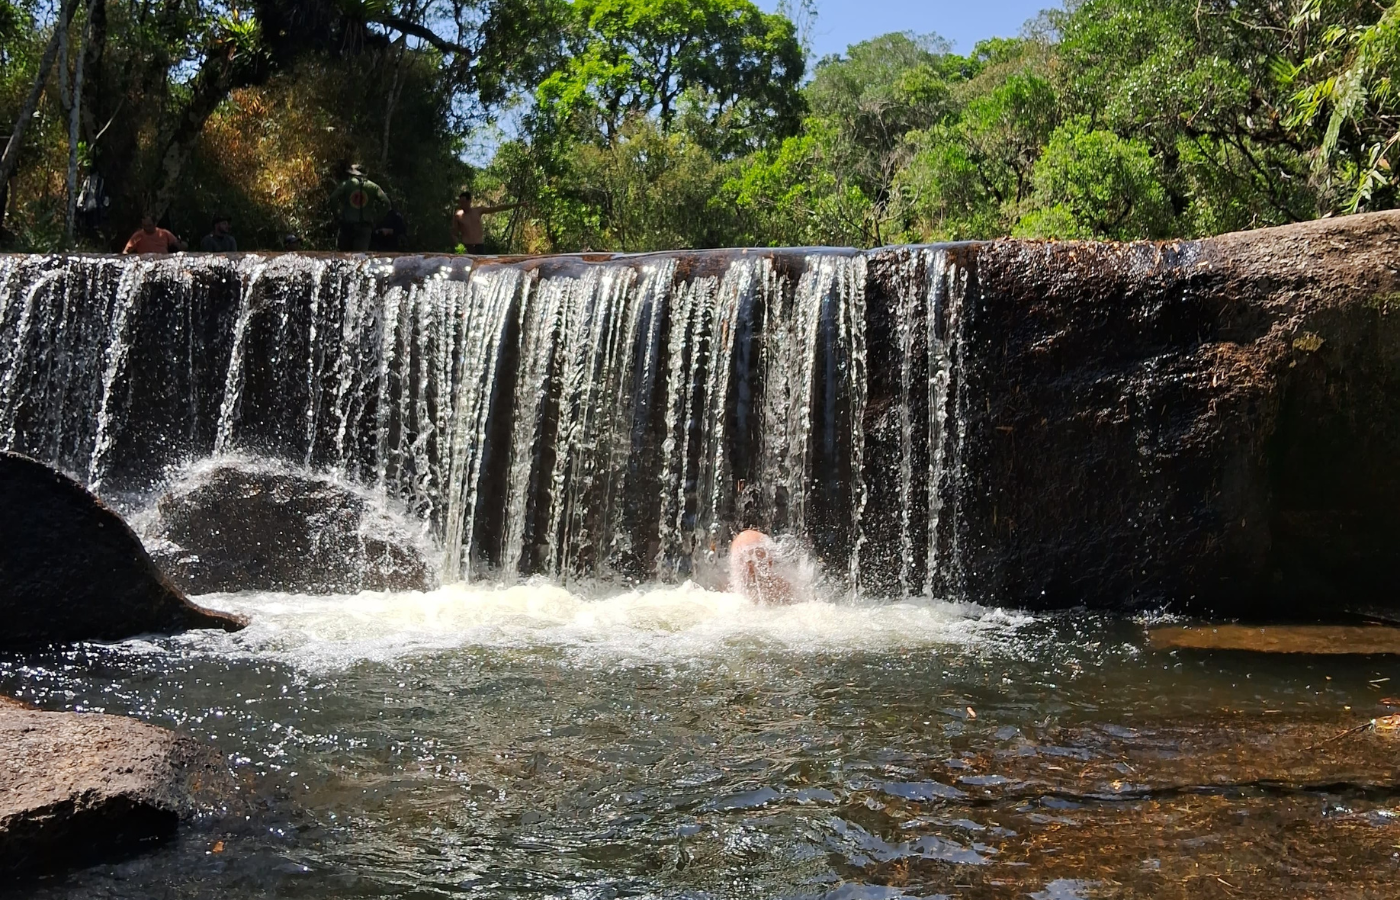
<point x="646" y="124"/>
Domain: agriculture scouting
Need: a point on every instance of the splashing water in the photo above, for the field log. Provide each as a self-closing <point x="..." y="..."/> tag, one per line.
<point x="646" y="625"/>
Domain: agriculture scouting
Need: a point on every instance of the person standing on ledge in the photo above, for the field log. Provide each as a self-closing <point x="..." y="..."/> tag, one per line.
<point x="150" y="239"/>
<point x="467" y="226"/>
<point x="358" y="203"/>
<point x="221" y="239"/>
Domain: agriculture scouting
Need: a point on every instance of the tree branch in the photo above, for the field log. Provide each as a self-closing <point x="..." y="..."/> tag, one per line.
<point x="422" y="32"/>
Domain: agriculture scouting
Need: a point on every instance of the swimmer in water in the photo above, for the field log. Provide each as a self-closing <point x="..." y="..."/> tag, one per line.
<point x="753" y="569"/>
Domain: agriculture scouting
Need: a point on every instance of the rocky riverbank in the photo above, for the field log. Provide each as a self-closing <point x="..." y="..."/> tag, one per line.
<point x="77" y="789"/>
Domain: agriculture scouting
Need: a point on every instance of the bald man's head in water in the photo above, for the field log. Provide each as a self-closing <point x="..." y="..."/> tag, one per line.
<point x="753" y="571"/>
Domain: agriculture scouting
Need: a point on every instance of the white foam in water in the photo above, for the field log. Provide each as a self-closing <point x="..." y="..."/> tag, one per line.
<point x="646" y="624"/>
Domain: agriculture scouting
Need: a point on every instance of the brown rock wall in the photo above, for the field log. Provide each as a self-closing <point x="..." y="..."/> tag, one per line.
<point x="1212" y="424"/>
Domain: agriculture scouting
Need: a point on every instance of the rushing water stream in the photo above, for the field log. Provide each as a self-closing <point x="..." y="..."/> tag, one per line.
<point x="579" y="712"/>
<point x="676" y="742"/>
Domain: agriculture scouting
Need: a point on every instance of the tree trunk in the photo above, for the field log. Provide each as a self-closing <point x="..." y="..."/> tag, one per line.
<point x="63" y="68"/>
<point x="94" y="55"/>
<point x="395" y="91"/>
<point x="26" y="113"/>
<point x="74" y="123"/>
<point x="218" y="75"/>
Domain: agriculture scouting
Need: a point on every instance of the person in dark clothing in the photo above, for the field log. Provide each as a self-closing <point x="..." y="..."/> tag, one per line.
<point x="93" y="203"/>
<point x="358" y="203"/>
<point x="221" y="239"/>
<point x="390" y="233"/>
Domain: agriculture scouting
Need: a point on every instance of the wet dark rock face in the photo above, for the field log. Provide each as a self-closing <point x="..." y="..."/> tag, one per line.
<point x="72" y="570"/>
<point x="239" y="527"/>
<point x="77" y="789"/>
<point x="1212" y="424"/>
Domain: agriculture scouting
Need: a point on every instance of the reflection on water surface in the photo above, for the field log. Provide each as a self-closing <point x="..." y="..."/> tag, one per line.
<point x="681" y="743"/>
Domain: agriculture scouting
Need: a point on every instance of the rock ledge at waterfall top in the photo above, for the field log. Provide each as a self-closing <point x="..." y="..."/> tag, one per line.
<point x="1211" y="424"/>
<point x="82" y="788"/>
<point x="73" y="571"/>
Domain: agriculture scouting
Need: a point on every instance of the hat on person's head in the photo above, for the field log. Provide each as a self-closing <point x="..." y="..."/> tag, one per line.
<point x="222" y="217"/>
<point x="356" y="169"/>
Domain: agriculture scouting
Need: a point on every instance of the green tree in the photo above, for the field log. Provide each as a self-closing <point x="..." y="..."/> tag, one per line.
<point x="1091" y="183"/>
<point x="869" y="99"/>
<point x="969" y="176"/>
<point x="11" y="23"/>
<point x="648" y="189"/>
<point x="1352" y="79"/>
<point x="948" y="189"/>
<point x="731" y="64"/>
<point x="1197" y="81"/>
<point x="796" y="194"/>
<point x="1005" y="129"/>
<point x="157" y="72"/>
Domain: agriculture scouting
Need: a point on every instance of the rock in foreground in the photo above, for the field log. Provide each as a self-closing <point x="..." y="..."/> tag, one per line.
<point x="77" y="789"/>
<point x="73" y="571"/>
<point x="232" y="526"/>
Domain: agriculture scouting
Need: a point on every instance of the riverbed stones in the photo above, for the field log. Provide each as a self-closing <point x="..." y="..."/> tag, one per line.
<point x="72" y="570"/>
<point x="232" y="526"/>
<point x="82" y="788"/>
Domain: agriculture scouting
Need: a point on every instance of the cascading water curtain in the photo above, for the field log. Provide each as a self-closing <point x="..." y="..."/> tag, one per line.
<point x="579" y="419"/>
<point x="643" y="400"/>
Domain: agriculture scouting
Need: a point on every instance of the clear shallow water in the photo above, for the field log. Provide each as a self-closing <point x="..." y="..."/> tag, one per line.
<point x="678" y="742"/>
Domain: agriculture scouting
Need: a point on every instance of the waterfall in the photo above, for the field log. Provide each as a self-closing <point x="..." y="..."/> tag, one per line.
<point x="616" y="417"/>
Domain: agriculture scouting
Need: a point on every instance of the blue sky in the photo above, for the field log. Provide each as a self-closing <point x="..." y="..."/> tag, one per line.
<point x="841" y="23"/>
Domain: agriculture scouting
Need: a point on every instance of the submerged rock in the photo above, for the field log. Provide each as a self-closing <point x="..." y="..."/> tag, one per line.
<point x="72" y="570"/>
<point x="1330" y="640"/>
<point x="77" y="789"/>
<point x="233" y="526"/>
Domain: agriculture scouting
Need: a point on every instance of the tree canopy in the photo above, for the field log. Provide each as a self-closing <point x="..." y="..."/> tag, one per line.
<point x="648" y="124"/>
<point x="724" y="61"/>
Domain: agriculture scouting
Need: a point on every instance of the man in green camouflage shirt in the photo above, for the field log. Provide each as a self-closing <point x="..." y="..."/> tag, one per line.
<point x="358" y="203"/>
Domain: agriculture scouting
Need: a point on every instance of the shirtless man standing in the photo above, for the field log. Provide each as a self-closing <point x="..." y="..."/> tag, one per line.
<point x="467" y="226"/>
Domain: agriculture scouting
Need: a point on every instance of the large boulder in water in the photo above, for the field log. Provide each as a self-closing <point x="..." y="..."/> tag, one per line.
<point x="231" y="525"/>
<point x="77" y="789"/>
<point x="72" y="570"/>
<point x="1213" y="424"/>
